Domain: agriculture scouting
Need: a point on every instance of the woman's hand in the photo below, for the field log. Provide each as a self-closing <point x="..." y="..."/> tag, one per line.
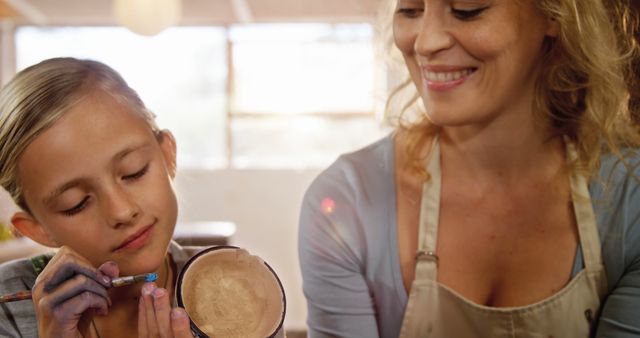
<point x="156" y="318"/>
<point x="70" y="289"/>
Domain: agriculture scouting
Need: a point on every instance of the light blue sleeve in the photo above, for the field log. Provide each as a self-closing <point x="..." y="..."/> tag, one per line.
<point x="621" y="313"/>
<point x="620" y="316"/>
<point x="330" y="249"/>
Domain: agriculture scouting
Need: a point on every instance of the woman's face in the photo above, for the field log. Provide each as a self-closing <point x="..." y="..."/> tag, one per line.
<point x="471" y="60"/>
<point x="99" y="181"/>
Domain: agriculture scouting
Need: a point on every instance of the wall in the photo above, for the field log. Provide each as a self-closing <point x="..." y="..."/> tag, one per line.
<point x="7" y="54"/>
<point x="264" y="205"/>
<point x="7" y="207"/>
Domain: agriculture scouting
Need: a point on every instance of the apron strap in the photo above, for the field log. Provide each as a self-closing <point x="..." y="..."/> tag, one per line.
<point x="426" y="258"/>
<point x="585" y="216"/>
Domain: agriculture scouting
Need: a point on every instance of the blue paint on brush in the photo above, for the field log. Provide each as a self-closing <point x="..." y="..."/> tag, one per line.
<point x="151" y="277"/>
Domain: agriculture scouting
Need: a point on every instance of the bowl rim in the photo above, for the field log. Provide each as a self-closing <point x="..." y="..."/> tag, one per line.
<point x="180" y="301"/>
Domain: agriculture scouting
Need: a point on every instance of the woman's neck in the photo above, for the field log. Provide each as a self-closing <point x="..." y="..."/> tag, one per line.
<point x="503" y="152"/>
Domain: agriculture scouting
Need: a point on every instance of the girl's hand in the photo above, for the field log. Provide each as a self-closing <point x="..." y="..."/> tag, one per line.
<point x="156" y="318"/>
<point x="70" y="289"/>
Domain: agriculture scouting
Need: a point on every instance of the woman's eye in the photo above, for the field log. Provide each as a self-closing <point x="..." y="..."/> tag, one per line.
<point x="467" y="14"/>
<point x="137" y="174"/>
<point x="76" y="208"/>
<point x="410" y="12"/>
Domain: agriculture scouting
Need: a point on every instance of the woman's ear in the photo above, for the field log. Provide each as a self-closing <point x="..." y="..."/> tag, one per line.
<point x="30" y="227"/>
<point x="168" y="147"/>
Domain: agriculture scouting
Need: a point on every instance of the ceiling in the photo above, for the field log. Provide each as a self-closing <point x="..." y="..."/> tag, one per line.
<point x="195" y="12"/>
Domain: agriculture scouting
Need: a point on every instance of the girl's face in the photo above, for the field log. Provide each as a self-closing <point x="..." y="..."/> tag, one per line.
<point x="99" y="181"/>
<point x="471" y="59"/>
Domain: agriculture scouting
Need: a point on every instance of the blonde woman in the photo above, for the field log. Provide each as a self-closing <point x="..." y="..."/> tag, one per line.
<point x="83" y="158"/>
<point x="512" y="207"/>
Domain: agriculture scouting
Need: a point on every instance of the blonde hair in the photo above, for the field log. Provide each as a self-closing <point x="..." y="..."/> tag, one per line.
<point x="39" y="95"/>
<point x="584" y="89"/>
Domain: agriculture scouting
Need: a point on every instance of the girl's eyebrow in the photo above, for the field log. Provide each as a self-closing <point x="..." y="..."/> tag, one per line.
<point x="128" y="150"/>
<point x="61" y="189"/>
<point x="78" y="181"/>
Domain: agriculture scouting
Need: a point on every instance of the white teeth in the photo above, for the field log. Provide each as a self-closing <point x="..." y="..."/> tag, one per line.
<point x="446" y="76"/>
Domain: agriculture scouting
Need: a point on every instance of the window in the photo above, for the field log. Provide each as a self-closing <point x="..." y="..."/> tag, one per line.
<point x="245" y="96"/>
<point x="181" y="75"/>
<point x="302" y="93"/>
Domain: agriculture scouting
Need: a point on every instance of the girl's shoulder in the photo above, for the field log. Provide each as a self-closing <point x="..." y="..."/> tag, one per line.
<point x="17" y="319"/>
<point x="18" y="274"/>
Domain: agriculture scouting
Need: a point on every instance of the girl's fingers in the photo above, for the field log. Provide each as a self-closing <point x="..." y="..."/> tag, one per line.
<point x="72" y="288"/>
<point x="71" y="311"/>
<point x="142" y="319"/>
<point x="162" y="307"/>
<point x="109" y="269"/>
<point x="180" y="324"/>
<point x="66" y="291"/>
<point x="152" y="326"/>
<point x="157" y="319"/>
<point x="68" y="269"/>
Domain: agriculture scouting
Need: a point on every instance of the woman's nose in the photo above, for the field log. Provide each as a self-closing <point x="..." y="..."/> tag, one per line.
<point x="121" y="207"/>
<point x="433" y="34"/>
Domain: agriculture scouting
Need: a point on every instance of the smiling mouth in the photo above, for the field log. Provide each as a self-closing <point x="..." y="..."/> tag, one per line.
<point x="137" y="240"/>
<point x="444" y="77"/>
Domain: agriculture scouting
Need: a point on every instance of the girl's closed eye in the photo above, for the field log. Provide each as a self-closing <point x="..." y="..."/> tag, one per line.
<point x="467" y="14"/>
<point x="77" y="208"/>
<point x="137" y="175"/>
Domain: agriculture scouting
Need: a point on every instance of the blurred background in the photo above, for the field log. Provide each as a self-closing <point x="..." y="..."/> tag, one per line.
<point x="260" y="94"/>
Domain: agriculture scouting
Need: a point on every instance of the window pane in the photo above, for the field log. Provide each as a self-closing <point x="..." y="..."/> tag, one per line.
<point x="299" y="141"/>
<point x="180" y="74"/>
<point x="303" y="68"/>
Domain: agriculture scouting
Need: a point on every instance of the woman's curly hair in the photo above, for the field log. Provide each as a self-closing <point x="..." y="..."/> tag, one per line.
<point x="588" y="89"/>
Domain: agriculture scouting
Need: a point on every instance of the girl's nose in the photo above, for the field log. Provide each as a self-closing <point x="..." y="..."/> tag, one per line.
<point x="122" y="208"/>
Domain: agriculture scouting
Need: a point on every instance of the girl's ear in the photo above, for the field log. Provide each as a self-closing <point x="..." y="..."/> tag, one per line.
<point x="30" y="227"/>
<point x="553" y="28"/>
<point x="168" y="147"/>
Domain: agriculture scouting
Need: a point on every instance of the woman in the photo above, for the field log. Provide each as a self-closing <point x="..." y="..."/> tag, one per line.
<point x="85" y="161"/>
<point x="511" y="208"/>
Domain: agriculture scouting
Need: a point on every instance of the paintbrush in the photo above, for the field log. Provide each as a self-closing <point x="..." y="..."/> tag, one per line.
<point x="116" y="282"/>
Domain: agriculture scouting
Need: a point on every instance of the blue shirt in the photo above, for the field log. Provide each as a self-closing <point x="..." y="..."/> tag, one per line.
<point x="349" y="256"/>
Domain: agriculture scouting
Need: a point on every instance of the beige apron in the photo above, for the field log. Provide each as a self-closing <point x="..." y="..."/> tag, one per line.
<point x="434" y="310"/>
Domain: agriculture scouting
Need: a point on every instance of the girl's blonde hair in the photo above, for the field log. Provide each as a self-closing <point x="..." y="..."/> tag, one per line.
<point x="587" y="89"/>
<point x="39" y="95"/>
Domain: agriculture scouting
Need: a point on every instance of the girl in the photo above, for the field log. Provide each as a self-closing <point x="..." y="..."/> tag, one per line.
<point x="91" y="171"/>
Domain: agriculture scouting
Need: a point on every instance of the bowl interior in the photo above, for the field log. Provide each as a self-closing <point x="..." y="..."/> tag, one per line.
<point x="230" y="293"/>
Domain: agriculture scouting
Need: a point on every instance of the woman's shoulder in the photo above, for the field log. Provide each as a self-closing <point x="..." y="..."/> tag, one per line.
<point x="351" y="203"/>
<point x="615" y="196"/>
<point x="620" y="167"/>
<point x="616" y="183"/>
<point x="347" y="213"/>
<point x="357" y="170"/>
